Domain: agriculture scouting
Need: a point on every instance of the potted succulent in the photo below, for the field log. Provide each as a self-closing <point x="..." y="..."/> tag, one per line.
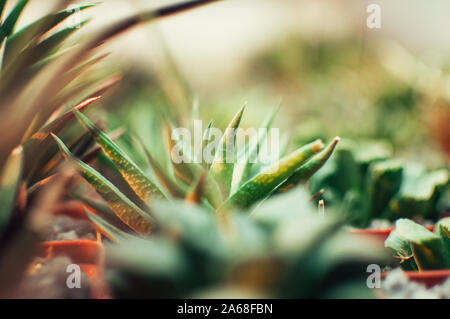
<point x="424" y="255"/>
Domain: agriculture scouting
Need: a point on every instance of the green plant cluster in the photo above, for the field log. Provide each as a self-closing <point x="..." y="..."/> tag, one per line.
<point x="368" y="184"/>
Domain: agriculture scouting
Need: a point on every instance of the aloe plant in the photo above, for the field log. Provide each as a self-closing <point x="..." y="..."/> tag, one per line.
<point x="420" y="249"/>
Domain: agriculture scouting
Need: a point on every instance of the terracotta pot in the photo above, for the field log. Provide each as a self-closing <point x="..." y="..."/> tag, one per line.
<point x="429" y="278"/>
<point x="74" y="209"/>
<point x="378" y="234"/>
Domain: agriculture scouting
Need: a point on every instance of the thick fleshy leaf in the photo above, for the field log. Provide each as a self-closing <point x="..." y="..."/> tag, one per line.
<point x="419" y="193"/>
<point x="266" y="182"/>
<point x="429" y="250"/>
<point x="224" y="161"/>
<point x="385" y="179"/>
<point x="9" y="184"/>
<point x="127" y="211"/>
<point x="192" y="224"/>
<point x="139" y="182"/>
<point x="304" y="173"/>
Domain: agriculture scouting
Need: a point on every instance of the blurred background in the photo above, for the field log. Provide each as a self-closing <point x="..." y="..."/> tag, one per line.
<point x="334" y="75"/>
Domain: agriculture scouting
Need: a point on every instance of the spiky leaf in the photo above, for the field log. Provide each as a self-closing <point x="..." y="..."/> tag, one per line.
<point x="135" y="177"/>
<point x="224" y="160"/>
<point x="304" y="173"/>
<point x="126" y="210"/>
<point x="266" y="182"/>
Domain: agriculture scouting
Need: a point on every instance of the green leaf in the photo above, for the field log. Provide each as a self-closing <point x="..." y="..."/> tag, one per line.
<point x="2" y="7"/>
<point x="385" y="179"/>
<point x="9" y="184"/>
<point x="126" y="210"/>
<point x="223" y="166"/>
<point x="211" y="189"/>
<point x="442" y="228"/>
<point x="22" y="38"/>
<point x="134" y="176"/>
<point x="419" y="193"/>
<point x="106" y="229"/>
<point x="172" y="187"/>
<point x="206" y="138"/>
<point x="429" y="250"/>
<point x="38" y="147"/>
<point x="189" y="171"/>
<point x="263" y="184"/>
<point x="254" y="149"/>
<point x="44" y="49"/>
<point x="306" y="171"/>
<point x="191" y="224"/>
<point x="10" y="22"/>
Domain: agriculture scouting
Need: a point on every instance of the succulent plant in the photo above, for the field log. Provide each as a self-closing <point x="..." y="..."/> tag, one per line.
<point x="419" y="248"/>
<point x="210" y="187"/>
<point x="372" y="185"/>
